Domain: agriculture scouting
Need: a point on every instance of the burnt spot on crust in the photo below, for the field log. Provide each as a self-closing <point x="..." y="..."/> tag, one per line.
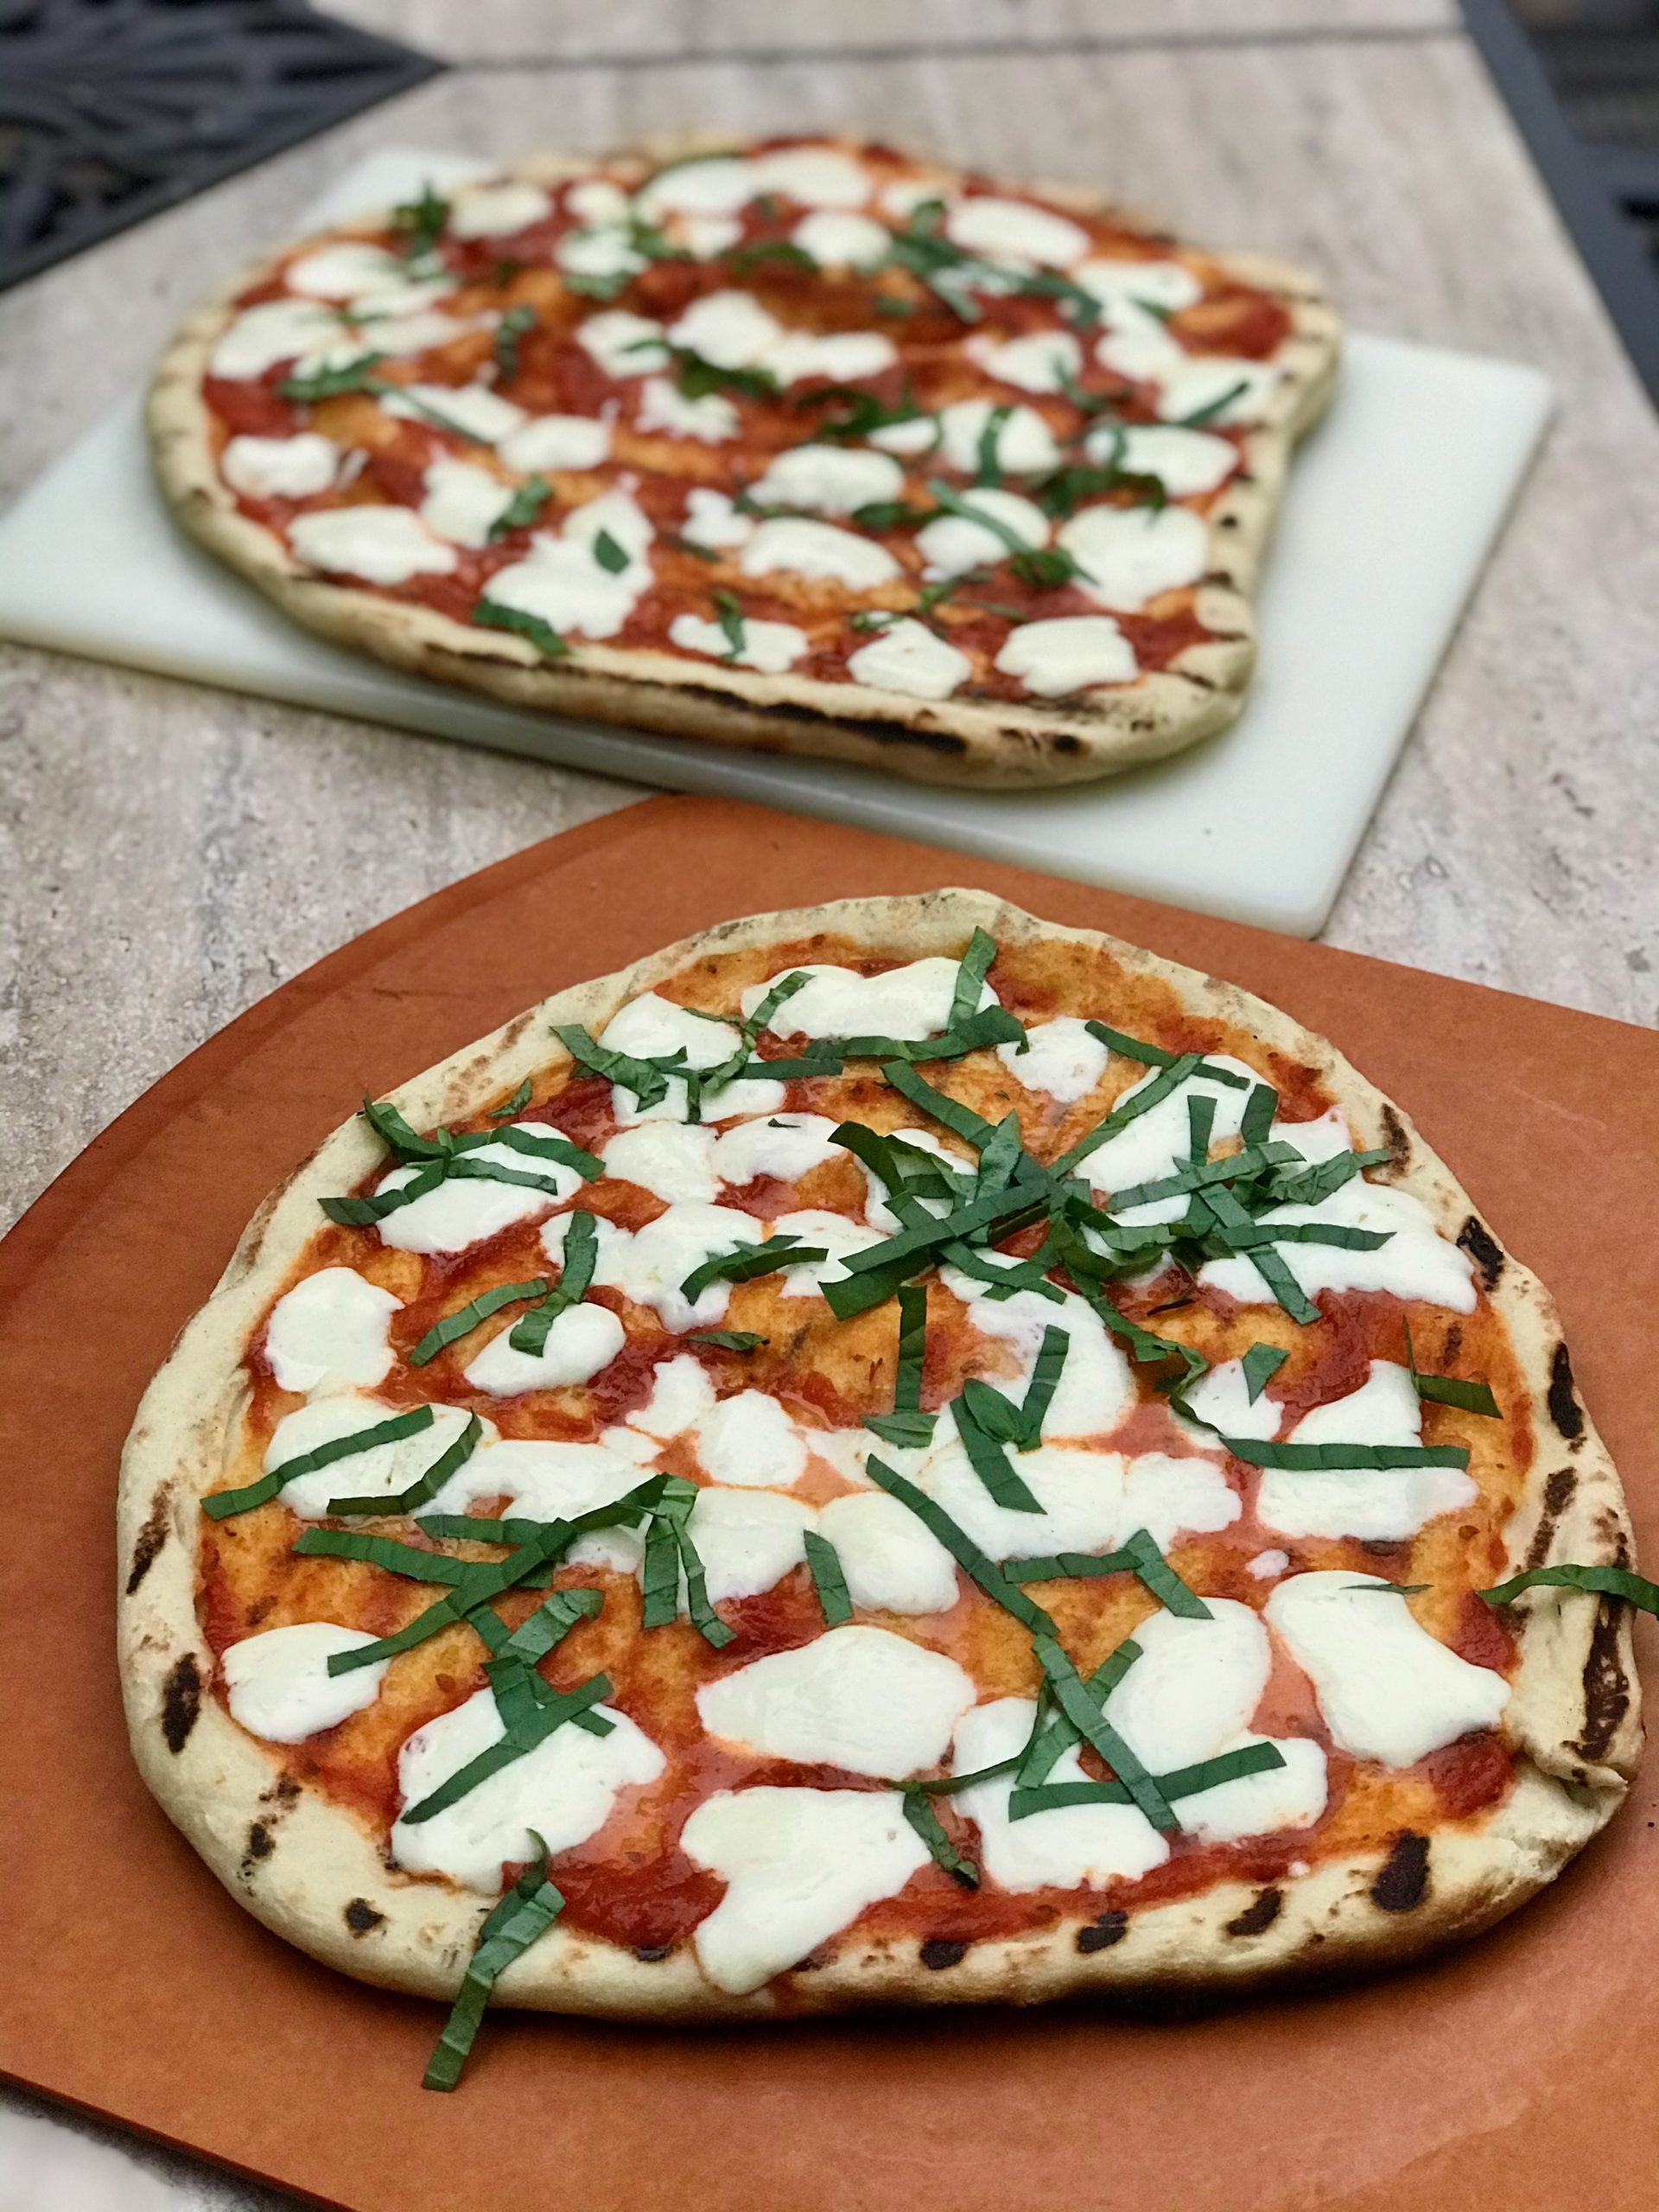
<point x="1483" y="1249"/>
<point x="1101" y="1934"/>
<point x="1558" y="1496"/>
<point x="1606" y="1691"/>
<point x="885" y="732"/>
<point x="1404" y="1878"/>
<point x="180" y="1702"/>
<point x="361" y="1916"/>
<point x="1564" y="1407"/>
<point x="939" y="1951"/>
<point x="151" y="1537"/>
<point x="261" y="1842"/>
<point x="1395" y="1136"/>
<point x="651" y="1952"/>
<point x="1259" y="1915"/>
<point x="284" y="1791"/>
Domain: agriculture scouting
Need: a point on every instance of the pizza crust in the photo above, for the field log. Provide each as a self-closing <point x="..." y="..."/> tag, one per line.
<point x="310" y="1871"/>
<point x="990" y="746"/>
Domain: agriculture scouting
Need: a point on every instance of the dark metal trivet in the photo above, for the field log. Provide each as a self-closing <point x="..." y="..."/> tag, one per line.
<point x="111" y="110"/>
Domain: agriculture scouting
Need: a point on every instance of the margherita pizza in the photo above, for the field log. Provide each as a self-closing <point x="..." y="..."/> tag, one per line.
<point x="808" y="446"/>
<point x="892" y="1454"/>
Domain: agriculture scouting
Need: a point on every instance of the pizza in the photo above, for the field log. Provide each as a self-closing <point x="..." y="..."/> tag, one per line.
<point x="805" y="445"/>
<point x="892" y="1454"/>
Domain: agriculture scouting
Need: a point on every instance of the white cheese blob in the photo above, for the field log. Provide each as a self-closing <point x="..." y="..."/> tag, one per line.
<point x="278" y="330"/>
<point x="818" y="550"/>
<point x="1388" y="1690"/>
<point x="909" y="1003"/>
<point x="1122" y="284"/>
<point x="565" y="1789"/>
<point x="770" y="646"/>
<point x="1166" y="1496"/>
<point x="1185" y="463"/>
<point x="1194" y="1687"/>
<point x="384" y="545"/>
<point x="1015" y="232"/>
<point x="842" y="241"/>
<point x="557" y="441"/>
<point x="706" y="184"/>
<point x="280" y="468"/>
<point x="649" y="1265"/>
<point x="799" y="1865"/>
<point x="496" y="211"/>
<point x="463" y="1211"/>
<point x="731" y="329"/>
<point x="463" y="504"/>
<point x="830" y="480"/>
<point x="278" y="1686"/>
<point x="1059" y="1057"/>
<point x="711" y="419"/>
<point x="549" y="1482"/>
<point x="953" y="544"/>
<point x="906" y="194"/>
<point x="1138" y="346"/>
<point x="750" y="1442"/>
<point x="877" y="1212"/>
<point x="1157" y="1140"/>
<point x="604" y="252"/>
<point x="892" y="1563"/>
<point x="562" y="579"/>
<point x="747" y="1540"/>
<point x="706" y="237"/>
<point x="1218" y="390"/>
<point x="916" y="434"/>
<point x="1377" y="1504"/>
<point x="784" y="1145"/>
<point x="1221" y="1397"/>
<point x="1095" y="1388"/>
<point x="329" y="1331"/>
<point x="1288" y="1796"/>
<point x="1066" y="653"/>
<point x="813" y="176"/>
<point x="858" y="1698"/>
<point x="712" y="519"/>
<point x="1416" y="1263"/>
<point x="681" y="1394"/>
<point x="472" y="409"/>
<point x="1129" y="556"/>
<point x="673" y="1161"/>
<point x="653" y="1028"/>
<point x="382" y="1471"/>
<point x="910" y="657"/>
<point x="621" y="344"/>
<point x="597" y="200"/>
<point x="840" y="356"/>
<point x="1041" y="362"/>
<point x="830" y="1233"/>
<point x="344" y="271"/>
<point x="1080" y="1494"/>
<point x="582" y="1339"/>
<point x="1025" y="444"/>
<point x="1071" y="1847"/>
<point x="1269" y="1566"/>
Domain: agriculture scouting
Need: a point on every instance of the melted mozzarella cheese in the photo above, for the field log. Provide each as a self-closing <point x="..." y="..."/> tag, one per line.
<point x="858" y="1698"/>
<point x="582" y="1339"/>
<point x="1129" y="556"/>
<point x="799" y="1865"/>
<point x="564" y="1789"/>
<point x="830" y="480"/>
<point x="830" y="1233"/>
<point x="747" y="1540"/>
<point x="841" y="356"/>
<point x="384" y="545"/>
<point x="916" y="434"/>
<point x="463" y="1211"/>
<point x="653" y="1028"/>
<point x="1377" y="1504"/>
<point x="383" y="1470"/>
<point x="818" y="551"/>
<point x="596" y="200"/>
<point x="1095" y="1388"/>
<point x="712" y="519"/>
<point x="1041" y="362"/>
<point x="563" y="581"/>
<point x="731" y="329"/>
<point x="1269" y="1566"/>
<point x="813" y="176"/>
<point x="649" y="1264"/>
<point x="706" y="184"/>
<point x="277" y="330"/>
<point x="1416" y="1263"/>
<point x="909" y="1003"/>
<point x="706" y="237"/>
<point x="344" y="271"/>
<point x="711" y="419"/>
<point x="954" y="543"/>
<point x="1071" y="1847"/>
<point x="1185" y="463"/>
<point x="1015" y="232"/>
<point x="278" y="1686"/>
<point x="329" y="1330"/>
<point x="463" y="504"/>
<point x="1080" y="1494"/>
<point x="908" y="656"/>
<point x="1059" y="1057"/>
<point x="770" y="646"/>
<point x="1120" y="283"/>
<point x="784" y="1147"/>
<point x="681" y="1394"/>
<point x="673" y="1161"/>
<point x="280" y="468"/>
<point x="1200" y="381"/>
<point x="496" y="211"/>
<point x="607" y="250"/>
<point x="1194" y="1687"/>
<point x="1388" y="1690"/>
<point x="841" y="241"/>
<point x="472" y="409"/>
<point x="1166" y="1496"/>
<point x="892" y="1563"/>
<point x="621" y="344"/>
<point x="383" y="333"/>
<point x="1066" y="653"/>
<point x="750" y="1442"/>
<point x="1221" y="1397"/>
<point x="557" y="441"/>
<point x="1025" y="444"/>
<point x="1156" y="1142"/>
<point x="551" y="1481"/>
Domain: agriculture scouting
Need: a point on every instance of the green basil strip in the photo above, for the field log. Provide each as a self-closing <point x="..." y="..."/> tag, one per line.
<point x="660" y="1581"/>
<point x="421" y="223"/>
<point x="953" y="1785"/>
<point x="669" y="1527"/>
<point x="960" y="1546"/>
<point x="913" y="1348"/>
<point x="221" y="1505"/>
<point x="1045" y="1381"/>
<point x="462" y="1322"/>
<point x="1200" y="1125"/>
<point x="1312" y="1184"/>
<point x="581" y="1253"/>
<point x="1306" y="1458"/>
<point x="1146" y="1347"/>
<point x="1170" y="1076"/>
<point x="611" y="556"/>
<point x="1211" y="408"/>
<point x="425" y="1485"/>
<point x="1004" y="1281"/>
<point x="698" y="1603"/>
<point x="1201" y="1174"/>
<point x="527" y="1911"/>
<point x="521" y="510"/>
<point x="1132" y="1048"/>
<point x="777" y="994"/>
<point x="1259" y="1110"/>
<point x="490" y="614"/>
<point x="386" y="1552"/>
<point x="1286" y="1292"/>
<point x="913" y="1247"/>
<point x="646" y="1078"/>
<point x="548" y="1144"/>
<point x="1450" y="1389"/>
<point x="1050" y="1738"/>
<point x="1064" y="1566"/>
<point x="516" y="1104"/>
<point x="532" y="1727"/>
<point x="553" y="1619"/>
<point x="1079" y="1707"/>
<point x="728" y="612"/>
<point x="991" y="471"/>
<point x="999" y="1157"/>
<point x="729" y="1340"/>
<point x="925" y="1821"/>
<point x="688" y="545"/>
<point x="971" y="975"/>
<point x="1259" y="1365"/>
<point x="485" y="1579"/>
<point x="508" y="332"/>
<point x="991" y="1464"/>
<point x="1184" y="1782"/>
<point x="405" y="1144"/>
<point x="1160" y="1578"/>
<point x="358" y="1213"/>
<point x="961" y="1120"/>
<point x="464" y="1169"/>
<point x="828" y="1579"/>
<point x="746" y="1261"/>
<point x="1602" y="1581"/>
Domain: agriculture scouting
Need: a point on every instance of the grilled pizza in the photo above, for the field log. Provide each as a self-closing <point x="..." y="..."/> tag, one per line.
<point x="805" y="445"/>
<point x="892" y="1452"/>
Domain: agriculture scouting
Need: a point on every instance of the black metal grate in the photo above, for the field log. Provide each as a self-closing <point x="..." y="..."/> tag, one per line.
<point x="112" y="110"/>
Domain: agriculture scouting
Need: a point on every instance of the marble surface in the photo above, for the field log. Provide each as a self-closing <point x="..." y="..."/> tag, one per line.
<point x="168" y="855"/>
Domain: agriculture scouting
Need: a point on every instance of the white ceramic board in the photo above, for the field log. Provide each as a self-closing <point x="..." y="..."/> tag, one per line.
<point x="1393" y="506"/>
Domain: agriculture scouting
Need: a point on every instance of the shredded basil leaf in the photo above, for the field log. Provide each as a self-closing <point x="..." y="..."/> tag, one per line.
<point x="729" y="1340"/>
<point x="523" y="508"/>
<point x="508" y="332"/>
<point x="467" y="1318"/>
<point x="1184" y="1782"/>
<point x="426" y="1485"/>
<point x="1079" y="1707"/>
<point x="516" y="1104"/>
<point x="828" y="1580"/>
<point x="960" y="1546"/>
<point x="1307" y="1457"/>
<point x="1259" y="1365"/>
<point x="532" y="1726"/>
<point x="1603" y="1581"/>
<point x="609" y="554"/>
<point x="580" y="1254"/>
<point x="488" y="614"/>
<point x="730" y="615"/>
<point x="925" y="1821"/>
<point x="746" y="1261"/>
<point x="221" y="1505"/>
<point x="1450" y="1389"/>
<point x="528" y="1911"/>
<point x="420" y="223"/>
<point x="647" y="1080"/>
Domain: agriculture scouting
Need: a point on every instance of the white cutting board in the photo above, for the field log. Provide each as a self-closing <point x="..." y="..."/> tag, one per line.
<point x="1394" y="505"/>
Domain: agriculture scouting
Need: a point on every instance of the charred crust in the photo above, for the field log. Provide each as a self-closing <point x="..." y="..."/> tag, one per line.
<point x="360" y="1916"/>
<point x="1558" y="1496"/>
<point x="1564" y="1407"/>
<point x="1259" y="1915"/>
<point x="261" y="1842"/>
<point x="1395" y="1136"/>
<point x="180" y="1702"/>
<point x="151" y="1537"/>
<point x="1483" y="1249"/>
<point x="940" y="1952"/>
<point x="885" y="732"/>
<point x="1404" y="1877"/>
<point x="284" y="1791"/>
<point x="1101" y="1934"/>
<point x="651" y="1954"/>
<point x="1606" y="1691"/>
